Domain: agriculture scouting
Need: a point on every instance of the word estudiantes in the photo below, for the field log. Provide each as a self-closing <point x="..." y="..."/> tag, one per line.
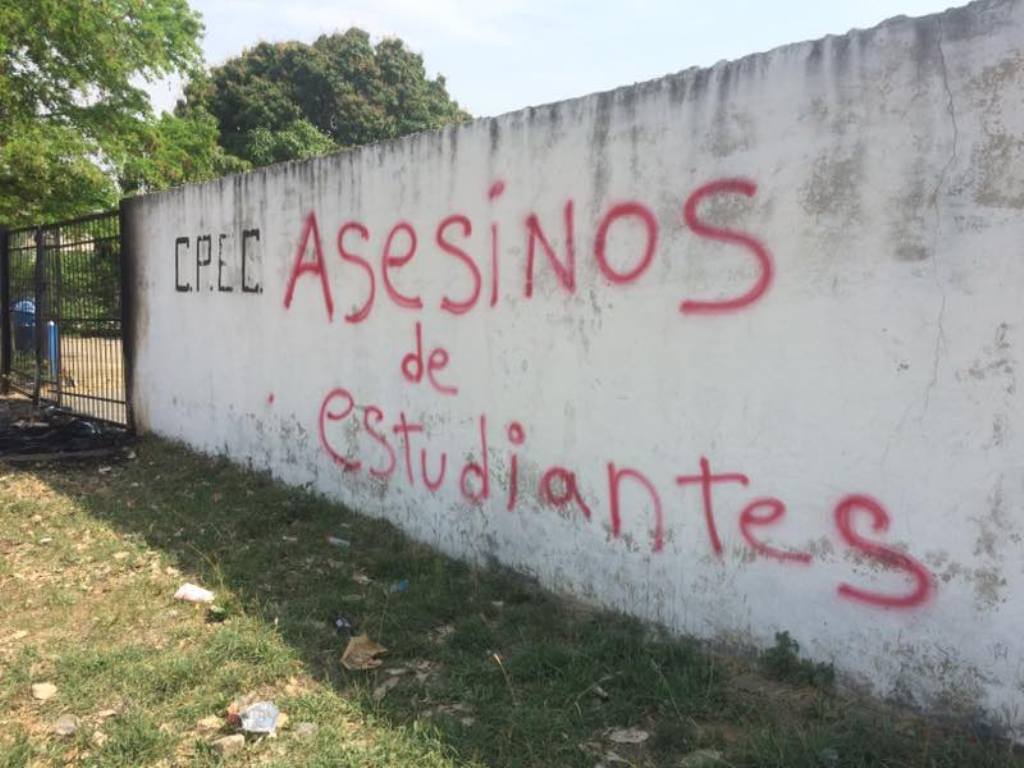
<point x="558" y="487"/>
<point x="401" y="244"/>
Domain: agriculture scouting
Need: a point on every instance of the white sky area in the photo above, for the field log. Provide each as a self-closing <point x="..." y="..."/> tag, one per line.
<point x="501" y="55"/>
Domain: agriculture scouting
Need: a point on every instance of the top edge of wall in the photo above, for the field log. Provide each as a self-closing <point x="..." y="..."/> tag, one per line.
<point x="956" y="22"/>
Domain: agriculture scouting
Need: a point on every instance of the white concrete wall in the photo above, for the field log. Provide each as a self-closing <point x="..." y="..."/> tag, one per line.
<point x="870" y="387"/>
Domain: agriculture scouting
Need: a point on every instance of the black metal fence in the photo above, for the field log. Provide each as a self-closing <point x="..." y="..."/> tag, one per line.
<point x="62" y="331"/>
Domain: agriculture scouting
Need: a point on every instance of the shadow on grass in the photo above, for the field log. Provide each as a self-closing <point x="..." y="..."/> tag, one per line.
<point x="497" y="671"/>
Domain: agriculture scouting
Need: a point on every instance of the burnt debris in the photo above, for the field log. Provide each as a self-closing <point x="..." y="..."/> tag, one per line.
<point x="49" y="434"/>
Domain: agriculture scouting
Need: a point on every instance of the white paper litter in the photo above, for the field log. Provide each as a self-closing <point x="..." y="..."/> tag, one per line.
<point x="192" y="594"/>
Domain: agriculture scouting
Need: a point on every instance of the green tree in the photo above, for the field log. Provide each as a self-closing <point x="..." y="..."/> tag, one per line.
<point x="48" y="172"/>
<point x="298" y="139"/>
<point x="71" y="111"/>
<point x="290" y="100"/>
<point x="175" y="149"/>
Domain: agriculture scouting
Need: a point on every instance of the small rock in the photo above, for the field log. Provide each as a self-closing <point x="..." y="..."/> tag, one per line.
<point x="282" y="721"/>
<point x="228" y="745"/>
<point x="46" y="540"/>
<point x="44" y="691"/>
<point x="702" y="758"/>
<point x="106" y="714"/>
<point x="305" y="730"/>
<point x="628" y="736"/>
<point x="99" y="738"/>
<point x="121" y="555"/>
<point x="66" y="725"/>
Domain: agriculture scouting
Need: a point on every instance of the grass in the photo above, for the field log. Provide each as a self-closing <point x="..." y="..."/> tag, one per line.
<point x="490" y="669"/>
<point x="782" y="662"/>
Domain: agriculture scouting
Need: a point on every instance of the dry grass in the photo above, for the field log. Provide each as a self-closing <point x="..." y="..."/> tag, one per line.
<point x="483" y="668"/>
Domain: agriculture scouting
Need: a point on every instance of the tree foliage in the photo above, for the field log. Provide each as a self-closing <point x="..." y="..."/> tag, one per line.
<point x="47" y="172"/>
<point x="71" y="109"/>
<point x="296" y="140"/>
<point x="77" y="130"/>
<point x="175" y="149"/>
<point x="291" y="100"/>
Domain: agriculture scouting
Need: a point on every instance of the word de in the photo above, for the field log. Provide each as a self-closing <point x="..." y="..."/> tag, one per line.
<point x="453" y="237"/>
<point x="559" y="487"/>
<point x="437" y="361"/>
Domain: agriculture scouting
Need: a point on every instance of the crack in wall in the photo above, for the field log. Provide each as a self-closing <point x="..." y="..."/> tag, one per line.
<point x="940" y="334"/>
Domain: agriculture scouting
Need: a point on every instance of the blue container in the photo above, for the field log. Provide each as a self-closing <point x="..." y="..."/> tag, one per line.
<point x="23" y="317"/>
<point x="24" y="320"/>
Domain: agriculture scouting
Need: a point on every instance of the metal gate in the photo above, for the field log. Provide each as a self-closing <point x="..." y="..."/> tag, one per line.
<point x="61" y="295"/>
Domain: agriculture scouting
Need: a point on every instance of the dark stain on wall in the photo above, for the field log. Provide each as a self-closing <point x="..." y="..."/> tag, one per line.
<point x="494" y="132"/>
<point x="599" y="142"/>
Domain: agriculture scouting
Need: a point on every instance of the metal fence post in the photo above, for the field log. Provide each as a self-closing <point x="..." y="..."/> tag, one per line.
<point x="126" y="254"/>
<point x="55" y="311"/>
<point x="40" y="330"/>
<point x="5" y="313"/>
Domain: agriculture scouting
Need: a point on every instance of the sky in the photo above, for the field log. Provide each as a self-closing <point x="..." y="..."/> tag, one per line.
<point x="501" y="55"/>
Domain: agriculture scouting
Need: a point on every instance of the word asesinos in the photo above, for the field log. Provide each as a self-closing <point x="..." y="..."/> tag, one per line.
<point x="402" y="243"/>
